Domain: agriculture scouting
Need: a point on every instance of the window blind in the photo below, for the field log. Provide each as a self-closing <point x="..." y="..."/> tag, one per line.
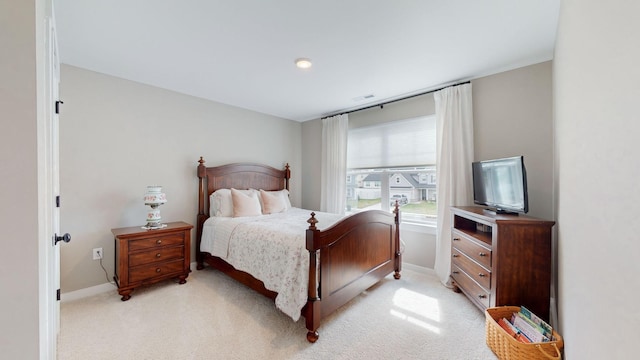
<point x="404" y="143"/>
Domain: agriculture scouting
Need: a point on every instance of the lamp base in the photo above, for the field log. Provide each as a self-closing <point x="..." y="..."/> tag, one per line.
<point x="154" y="226"/>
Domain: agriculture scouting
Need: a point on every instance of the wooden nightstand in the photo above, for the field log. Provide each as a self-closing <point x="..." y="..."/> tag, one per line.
<point x="148" y="256"/>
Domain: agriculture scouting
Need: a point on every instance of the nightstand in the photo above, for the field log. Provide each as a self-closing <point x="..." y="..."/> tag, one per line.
<point x="145" y="257"/>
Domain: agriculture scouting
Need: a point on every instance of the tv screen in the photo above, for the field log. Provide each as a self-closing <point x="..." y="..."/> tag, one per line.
<point x="501" y="184"/>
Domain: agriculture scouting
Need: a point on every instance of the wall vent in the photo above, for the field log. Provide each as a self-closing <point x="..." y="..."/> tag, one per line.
<point x="364" y="97"/>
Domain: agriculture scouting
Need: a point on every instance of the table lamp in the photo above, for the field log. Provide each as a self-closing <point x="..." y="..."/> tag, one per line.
<point x="154" y="197"/>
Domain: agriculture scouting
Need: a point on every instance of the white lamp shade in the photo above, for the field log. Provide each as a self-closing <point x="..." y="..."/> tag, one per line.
<point x="154" y="196"/>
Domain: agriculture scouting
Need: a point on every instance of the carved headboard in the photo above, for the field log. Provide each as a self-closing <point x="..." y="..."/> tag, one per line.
<point x="237" y="176"/>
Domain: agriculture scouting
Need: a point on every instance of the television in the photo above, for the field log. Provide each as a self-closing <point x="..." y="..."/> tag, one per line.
<point x="501" y="184"/>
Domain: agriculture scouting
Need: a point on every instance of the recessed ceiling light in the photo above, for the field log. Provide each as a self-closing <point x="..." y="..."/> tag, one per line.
<point x="303" y="63"/>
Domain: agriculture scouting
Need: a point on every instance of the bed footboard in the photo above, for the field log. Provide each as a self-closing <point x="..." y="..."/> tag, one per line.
<point x="347" y="259"/>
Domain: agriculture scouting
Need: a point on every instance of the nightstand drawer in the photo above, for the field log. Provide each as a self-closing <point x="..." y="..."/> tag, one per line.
<point x="151" y="242"/>
<point x="161" y="254"/>
<point x="481" y="275"/>
<point x="155" y="270"/>
<point x="479" y="253"/>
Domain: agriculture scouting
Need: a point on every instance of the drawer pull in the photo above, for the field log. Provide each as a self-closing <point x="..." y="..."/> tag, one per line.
<point x="159" y="241"/>
<point x="482" y="296"/>
<point x="455" y="255"/>
<point x="158" y="255"/>
<point x="481" y="275"/>
<point x="158" y="270"/>
<point x="456" y="272"/>
<point x="482" y="254"/>
<point x="456" y="239"/>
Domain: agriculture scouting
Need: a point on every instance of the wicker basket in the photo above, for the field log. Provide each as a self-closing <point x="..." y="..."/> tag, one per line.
<point x="508" y="348"/>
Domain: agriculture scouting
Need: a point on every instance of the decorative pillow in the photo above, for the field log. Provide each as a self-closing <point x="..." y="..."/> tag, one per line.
<point x="272" y="202"/>
<point x="220" y="203"/>
<point x="280" y="201"/>
<point x="245" y="204"/>
<point x="287" y="200"/>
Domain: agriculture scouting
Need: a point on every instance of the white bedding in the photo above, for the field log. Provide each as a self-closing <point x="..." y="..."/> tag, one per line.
<point x="271" y="248"/>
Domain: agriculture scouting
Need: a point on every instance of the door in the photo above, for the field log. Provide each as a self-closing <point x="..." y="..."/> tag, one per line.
<point x="55" y="174"/>
<point x="51" y="198"/>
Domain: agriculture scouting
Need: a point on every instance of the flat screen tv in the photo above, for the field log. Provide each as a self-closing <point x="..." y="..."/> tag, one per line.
<point x="501" y="184"/>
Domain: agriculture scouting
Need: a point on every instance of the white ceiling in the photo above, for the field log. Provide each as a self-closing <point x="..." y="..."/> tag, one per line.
<point x="242" y="52"/>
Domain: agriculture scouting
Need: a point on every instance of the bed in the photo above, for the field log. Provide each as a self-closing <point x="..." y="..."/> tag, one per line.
<point x="344" y="259"/>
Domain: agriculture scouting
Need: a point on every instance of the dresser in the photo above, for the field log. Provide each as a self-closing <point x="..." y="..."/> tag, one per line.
<point x="501" y="260"/>
<point x="148" y="256"/>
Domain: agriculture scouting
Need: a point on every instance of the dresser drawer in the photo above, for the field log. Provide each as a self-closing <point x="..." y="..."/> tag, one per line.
<point x="142" y="273"/>
<point x="478" y="273"/>
<point x="474" y="291"/>
<point x="481" y="254"/>
<point x="156" y="255"/>
<point x="157" y="241"/>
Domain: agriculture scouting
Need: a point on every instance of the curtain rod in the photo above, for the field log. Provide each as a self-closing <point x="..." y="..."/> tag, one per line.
<point x="396" y="100"/>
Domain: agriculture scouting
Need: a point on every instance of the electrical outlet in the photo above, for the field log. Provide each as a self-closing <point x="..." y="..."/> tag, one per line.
<point x="97" y="253"/>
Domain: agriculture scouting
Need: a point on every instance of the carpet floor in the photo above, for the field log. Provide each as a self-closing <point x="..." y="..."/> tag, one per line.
<point x="214" y="317"/>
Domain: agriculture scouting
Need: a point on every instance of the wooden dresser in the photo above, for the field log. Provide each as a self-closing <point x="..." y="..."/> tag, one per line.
<point x="147" y="256"/>
<point x="500" y="260"/>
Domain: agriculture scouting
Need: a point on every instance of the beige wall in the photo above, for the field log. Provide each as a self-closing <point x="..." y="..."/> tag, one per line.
<point x="596" y="77"/>
<point x="311" y="162"/>
<point x="512" y="116"/>
<point x="118" y="136"/>
<point x="21" y="267"/>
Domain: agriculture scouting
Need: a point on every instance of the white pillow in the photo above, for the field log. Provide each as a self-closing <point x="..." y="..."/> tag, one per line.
<point x="245" y="204"/>
<point x="280" y="201"/>
<point x="272" y="203"/>
<point x="220" y="203"/>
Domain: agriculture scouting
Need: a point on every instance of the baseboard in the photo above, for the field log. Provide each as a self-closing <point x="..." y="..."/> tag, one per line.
<point x="86" y="292"/>
<point x="417" y="268"/>
<point x="98" y="289"/>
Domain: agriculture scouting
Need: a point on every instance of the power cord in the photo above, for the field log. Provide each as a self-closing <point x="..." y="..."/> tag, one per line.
<point x="105" y="270"/>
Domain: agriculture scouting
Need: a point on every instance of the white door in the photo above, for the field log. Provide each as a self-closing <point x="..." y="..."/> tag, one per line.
<point x="55" y="173"/>
<point x="52" y="192"/>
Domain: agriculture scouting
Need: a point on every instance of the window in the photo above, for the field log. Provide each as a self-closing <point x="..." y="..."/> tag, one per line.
<point x="392" y="162"/>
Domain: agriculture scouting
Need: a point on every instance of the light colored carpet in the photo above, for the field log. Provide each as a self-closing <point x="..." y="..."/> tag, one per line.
<point x="214" y="317"/>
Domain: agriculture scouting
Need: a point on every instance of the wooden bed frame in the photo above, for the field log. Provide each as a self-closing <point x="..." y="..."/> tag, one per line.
<point x="345" y="259"/>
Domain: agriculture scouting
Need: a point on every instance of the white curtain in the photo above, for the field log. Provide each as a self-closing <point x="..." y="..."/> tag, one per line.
<point x="454" y="132"/>
<point x="333" y="183"/>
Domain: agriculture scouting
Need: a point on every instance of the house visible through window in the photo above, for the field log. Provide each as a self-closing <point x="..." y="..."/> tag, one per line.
<point x="394" y="162"/>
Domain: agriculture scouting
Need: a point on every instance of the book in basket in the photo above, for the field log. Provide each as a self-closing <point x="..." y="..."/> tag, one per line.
<point x="523" y="339"/>
<point x="548" y="330"/>
<point x="508" y="327"/>
<point x="528" y="328"/>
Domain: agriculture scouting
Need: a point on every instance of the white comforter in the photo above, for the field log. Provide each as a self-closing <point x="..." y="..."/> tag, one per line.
<point x="269" y="247"/>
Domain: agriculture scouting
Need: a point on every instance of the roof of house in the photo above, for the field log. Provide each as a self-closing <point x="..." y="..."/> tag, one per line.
<point x="412" y="178"/>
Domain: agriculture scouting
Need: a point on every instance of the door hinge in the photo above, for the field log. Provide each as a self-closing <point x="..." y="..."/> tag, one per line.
<point x="58" y="106"/>
<point x="58" y="201"/>
<point x="58" y="295"/>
